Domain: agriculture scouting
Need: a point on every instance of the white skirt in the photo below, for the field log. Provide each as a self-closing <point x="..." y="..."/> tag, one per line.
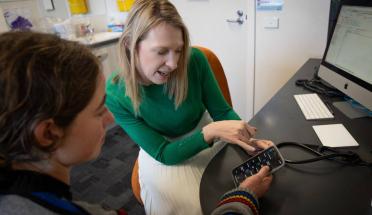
<point x="174" y="189"/>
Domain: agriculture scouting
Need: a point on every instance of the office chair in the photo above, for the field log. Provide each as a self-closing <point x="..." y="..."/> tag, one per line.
<point x="222" y="82"/>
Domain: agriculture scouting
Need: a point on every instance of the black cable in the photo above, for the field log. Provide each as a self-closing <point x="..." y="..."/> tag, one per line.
<point x="324" y="152"/>
<point x="318" y="86"/>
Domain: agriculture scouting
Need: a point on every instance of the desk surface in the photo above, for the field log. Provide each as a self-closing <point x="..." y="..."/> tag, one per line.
<point x="323" y="187"/>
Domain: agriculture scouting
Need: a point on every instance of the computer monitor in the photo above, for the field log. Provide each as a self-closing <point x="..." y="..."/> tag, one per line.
<point x="347" y="61"/>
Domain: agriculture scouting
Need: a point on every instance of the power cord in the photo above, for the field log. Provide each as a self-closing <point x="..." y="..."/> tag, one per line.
<point x="318" y="86"/>
<point x="324" y="152"/>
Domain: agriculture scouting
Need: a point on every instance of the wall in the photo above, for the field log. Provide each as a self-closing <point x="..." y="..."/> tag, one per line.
<point x="3" y="25"/>
<point x="280" y="52"/>
<point x="114" y="13"/>
<point x="60" y="9"/>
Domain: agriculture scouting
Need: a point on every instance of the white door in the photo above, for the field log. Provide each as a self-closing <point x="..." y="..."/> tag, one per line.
<point x="233" y="43"/>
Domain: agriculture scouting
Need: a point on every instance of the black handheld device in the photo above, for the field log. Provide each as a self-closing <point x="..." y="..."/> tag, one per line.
<point x="269" y="157"/>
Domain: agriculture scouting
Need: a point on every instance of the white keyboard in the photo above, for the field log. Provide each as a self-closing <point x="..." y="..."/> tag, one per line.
<point x="313" y="107"/>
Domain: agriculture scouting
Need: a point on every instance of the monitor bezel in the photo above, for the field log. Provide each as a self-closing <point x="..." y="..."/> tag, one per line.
<point x="339" y="71"/>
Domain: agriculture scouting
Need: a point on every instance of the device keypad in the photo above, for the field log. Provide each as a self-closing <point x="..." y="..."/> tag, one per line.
<point x="253" y="165"/>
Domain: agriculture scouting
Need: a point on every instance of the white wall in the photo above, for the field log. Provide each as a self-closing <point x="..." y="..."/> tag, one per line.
<point x="281" y="52"/>
<point x="60" y="9"/>
<point x="3" y="25"/>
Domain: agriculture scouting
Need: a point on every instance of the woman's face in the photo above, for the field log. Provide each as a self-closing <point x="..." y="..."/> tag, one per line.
<point x="158" y="53"/>
<point x="83" y="139"/>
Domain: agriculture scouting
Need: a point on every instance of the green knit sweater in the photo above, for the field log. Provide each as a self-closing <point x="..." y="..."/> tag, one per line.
<point x="158" y="117"/>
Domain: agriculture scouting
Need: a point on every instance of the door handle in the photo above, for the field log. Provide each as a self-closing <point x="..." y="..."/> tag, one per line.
<point x="239" y="20"/>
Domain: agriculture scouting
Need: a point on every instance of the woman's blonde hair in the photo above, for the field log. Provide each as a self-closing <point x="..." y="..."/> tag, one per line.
<point x="145" y="15"/>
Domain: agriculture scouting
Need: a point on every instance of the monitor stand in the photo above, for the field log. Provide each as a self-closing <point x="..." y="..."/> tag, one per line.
<point x="350" y="111"/>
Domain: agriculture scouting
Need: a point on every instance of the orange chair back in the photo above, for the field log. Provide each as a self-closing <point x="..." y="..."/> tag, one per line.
<point x="136" y="188"/>
<point x="218" y="71"/>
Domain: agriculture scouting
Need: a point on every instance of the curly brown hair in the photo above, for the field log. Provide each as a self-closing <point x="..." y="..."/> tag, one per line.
<point x="41" y="77"/>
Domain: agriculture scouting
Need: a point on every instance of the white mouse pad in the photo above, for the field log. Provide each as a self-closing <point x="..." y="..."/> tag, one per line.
<point x="334" y="135"/>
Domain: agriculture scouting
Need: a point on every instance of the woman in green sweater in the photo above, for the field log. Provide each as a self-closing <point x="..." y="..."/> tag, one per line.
<point x="166" y="98"/>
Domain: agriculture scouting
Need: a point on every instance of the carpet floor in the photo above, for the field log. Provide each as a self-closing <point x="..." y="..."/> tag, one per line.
<point x="107" y="180"/>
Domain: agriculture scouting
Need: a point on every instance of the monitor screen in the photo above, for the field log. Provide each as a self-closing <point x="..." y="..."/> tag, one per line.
<point x="347" y="62"/>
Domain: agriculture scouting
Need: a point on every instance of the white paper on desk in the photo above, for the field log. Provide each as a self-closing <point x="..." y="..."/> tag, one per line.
<point x="334" y="135"/>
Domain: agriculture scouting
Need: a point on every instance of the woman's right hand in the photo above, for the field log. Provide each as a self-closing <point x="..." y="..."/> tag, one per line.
<point x="258" y="183"/>
<point x="231" y="131"/>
